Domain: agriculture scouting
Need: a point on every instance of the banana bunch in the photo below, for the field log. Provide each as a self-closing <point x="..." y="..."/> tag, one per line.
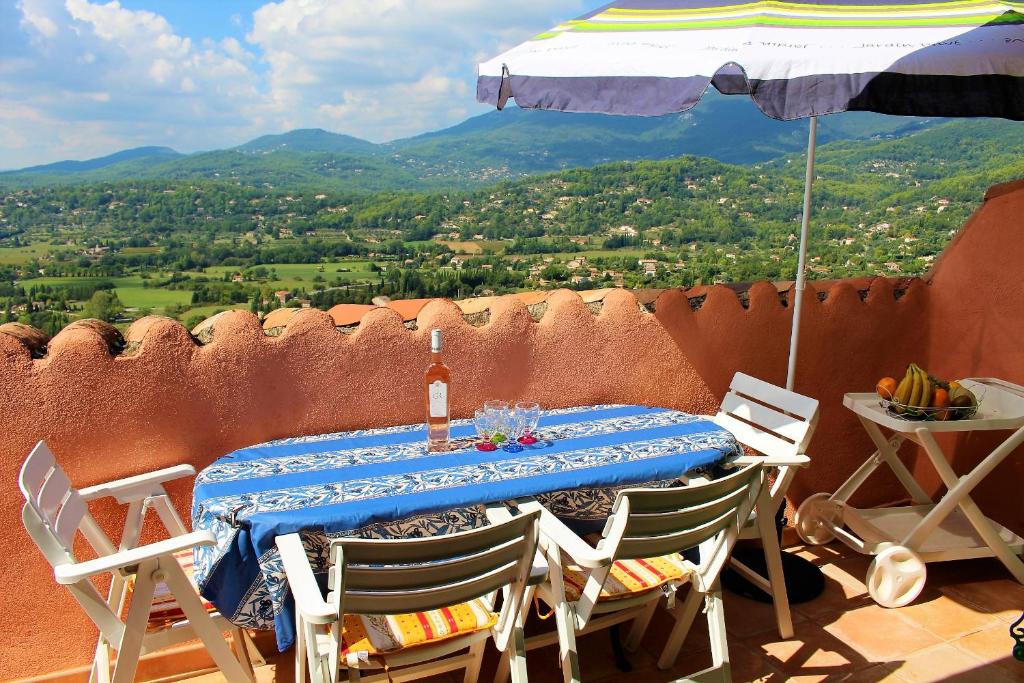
<point x="914" y="390"/>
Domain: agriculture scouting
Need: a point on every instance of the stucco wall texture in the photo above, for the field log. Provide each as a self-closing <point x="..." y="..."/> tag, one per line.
<point x="170" y="400"/>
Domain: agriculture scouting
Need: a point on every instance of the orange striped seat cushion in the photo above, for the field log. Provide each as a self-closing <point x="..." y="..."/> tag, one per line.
<point x="165" y="610"/>
<point x="382" y="634"/>
<point x="627" y="578"/>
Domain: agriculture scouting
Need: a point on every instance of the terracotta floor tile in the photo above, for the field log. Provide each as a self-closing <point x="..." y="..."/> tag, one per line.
<point x="945" y="662"/>
<point x="1002" y="597"/>
<point x="945" y="617"/>
<point x="879" y="673"/>
<point x="842" y="592"/>
<point x="993" y="645"/>
<point x="661" y="625"/>
<point x="879" y="634"/>
<point x="745" y="617"/>
<point x="747" y="666"/>
<point x="820" y="554"/>
<point x="812" y="653"/>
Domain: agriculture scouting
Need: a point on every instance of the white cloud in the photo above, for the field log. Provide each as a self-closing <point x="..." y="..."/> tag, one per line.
<point x="378" y="69"/>
<point x="388" y="68"/>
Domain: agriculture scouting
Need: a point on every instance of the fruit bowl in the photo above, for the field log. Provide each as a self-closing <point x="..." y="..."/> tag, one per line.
<point x="916" y="414"/>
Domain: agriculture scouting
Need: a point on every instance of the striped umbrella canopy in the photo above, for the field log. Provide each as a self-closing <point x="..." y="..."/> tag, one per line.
<point x="793" y="59"/>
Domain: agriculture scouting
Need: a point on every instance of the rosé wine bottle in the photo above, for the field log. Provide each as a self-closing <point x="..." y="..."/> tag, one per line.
<point x="436" y="382"/>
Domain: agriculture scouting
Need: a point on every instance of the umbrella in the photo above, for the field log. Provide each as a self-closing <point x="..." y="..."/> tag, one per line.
<point x="794" y="60"/>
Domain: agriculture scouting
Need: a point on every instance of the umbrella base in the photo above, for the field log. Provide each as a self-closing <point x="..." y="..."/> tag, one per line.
<point x="804" y="581"/>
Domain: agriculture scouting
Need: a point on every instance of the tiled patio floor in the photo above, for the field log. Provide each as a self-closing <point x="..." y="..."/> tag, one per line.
<point x="958" y="630"/>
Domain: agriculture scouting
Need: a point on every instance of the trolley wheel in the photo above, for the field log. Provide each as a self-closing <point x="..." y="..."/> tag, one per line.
<point x="896" y="576"/>
<point x="810" y="518"/>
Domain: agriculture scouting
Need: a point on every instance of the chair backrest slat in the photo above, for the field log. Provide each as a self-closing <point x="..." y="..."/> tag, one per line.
<point x="777" y="397"/>
<point x="69" y="517"/>
<point x="783" y="425"/>
<point x="53" y="492"/>
<point x="38" y="465"/>
<point x="653" y="524"/>
<point x="413" y="575"/>
<point x="441" y="594"/>
<point x="662" y="521"/>
<point x="679" y="497"/>
<point x="428" y="549"/>
<point x="767" y="418"/>
<point x="758" y="439"/>
<point x="653" y="546"/>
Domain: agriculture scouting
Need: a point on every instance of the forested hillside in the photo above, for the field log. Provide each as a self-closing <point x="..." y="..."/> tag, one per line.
<point x="188" y="248"/>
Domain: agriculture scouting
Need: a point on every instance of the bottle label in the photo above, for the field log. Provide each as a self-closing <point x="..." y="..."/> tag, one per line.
<point x="438" y="392"/>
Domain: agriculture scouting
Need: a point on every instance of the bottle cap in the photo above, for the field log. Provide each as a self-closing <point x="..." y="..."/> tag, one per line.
<point x="435" y="341"/>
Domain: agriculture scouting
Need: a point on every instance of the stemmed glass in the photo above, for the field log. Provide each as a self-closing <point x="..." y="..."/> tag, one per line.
<point x="514" y="423"/>
<point x="498" y="411"/>
<point x="484" y="422"/>
<point x="531" y="416"/>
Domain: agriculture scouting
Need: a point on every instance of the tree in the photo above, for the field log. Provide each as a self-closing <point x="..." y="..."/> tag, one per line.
<point x="104" y="305"/>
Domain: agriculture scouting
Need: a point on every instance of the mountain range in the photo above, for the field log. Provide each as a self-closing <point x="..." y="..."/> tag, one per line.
<point x="484" y="149"/>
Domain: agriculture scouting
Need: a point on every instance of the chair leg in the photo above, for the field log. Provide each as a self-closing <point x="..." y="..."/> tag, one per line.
<point x="501" y="674"/>
<point x="241" y="645"/>
<point x="514" y="659"/>
<point x="684" y="615"/>
<point x="202" y="624"/>
<point x="567" y="655"/>
<point x="130" y="647"/>
<point x="639" y="627"/>
<point x="716" y="631"/>
<point x="621" y="662"/>
<point x="300" y="652"/>
<point x="100" y="671"/>
<point x="476" y="652"/>
<point x="773" y="560"/>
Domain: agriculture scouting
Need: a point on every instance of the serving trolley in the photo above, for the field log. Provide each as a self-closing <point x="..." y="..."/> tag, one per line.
<point x="904" y="538"/>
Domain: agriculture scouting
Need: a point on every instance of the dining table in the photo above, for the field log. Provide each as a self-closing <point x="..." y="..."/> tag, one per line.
<point x="384" y="483"/>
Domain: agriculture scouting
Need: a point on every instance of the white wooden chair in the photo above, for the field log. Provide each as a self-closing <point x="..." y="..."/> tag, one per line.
<point x="164" y="607"/>
<point x="407" y="606"/>
<point x="637" y="562"/>
<point x="778" y="424"/>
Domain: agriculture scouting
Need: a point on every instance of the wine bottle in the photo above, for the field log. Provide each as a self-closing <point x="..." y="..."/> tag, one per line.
<point x="436" y="382"/>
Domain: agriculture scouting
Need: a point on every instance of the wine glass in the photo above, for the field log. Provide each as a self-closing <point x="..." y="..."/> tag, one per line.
<point x="498" y="410"/>
<point x="515" y="422"/>
<point x="531" y="416"/>
<point x="484" y="422"/>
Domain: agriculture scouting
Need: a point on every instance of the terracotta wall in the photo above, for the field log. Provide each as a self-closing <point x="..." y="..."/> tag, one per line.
<point x="168" y="399"/>
<point x="977" y="304"/>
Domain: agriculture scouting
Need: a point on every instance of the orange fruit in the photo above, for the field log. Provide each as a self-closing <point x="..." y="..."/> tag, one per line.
<point x="940" y="399"/>
<point x="886" y="387"/>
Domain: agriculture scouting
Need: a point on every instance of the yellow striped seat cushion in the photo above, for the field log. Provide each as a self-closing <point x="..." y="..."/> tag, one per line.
<point x="381" y="634"/>
<point x="165" y="610"/>
<point x="627" y="577"/>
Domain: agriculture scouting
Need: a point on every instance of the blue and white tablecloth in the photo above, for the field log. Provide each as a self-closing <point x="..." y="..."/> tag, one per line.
<point x="384" y="483"/>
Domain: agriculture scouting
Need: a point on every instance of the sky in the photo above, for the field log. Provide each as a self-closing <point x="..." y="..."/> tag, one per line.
<point x="81" y="79"/>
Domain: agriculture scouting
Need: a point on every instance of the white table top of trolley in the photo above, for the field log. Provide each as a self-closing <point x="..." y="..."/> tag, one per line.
<point x="1000" y="406"/>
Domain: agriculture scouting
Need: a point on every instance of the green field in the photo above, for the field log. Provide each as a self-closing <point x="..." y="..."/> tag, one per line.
<point x="129" y="290"/>
<point x="141" y="250"/>
<point x="142" y="297"/>
<point x="19" y="255"/>
<point x="295" y="275"/>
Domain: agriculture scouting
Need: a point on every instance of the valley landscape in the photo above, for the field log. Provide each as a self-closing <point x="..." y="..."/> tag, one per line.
<point x="503" y="202"/>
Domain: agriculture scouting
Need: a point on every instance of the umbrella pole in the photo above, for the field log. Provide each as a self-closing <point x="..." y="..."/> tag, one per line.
<point x="798" y="295"/>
